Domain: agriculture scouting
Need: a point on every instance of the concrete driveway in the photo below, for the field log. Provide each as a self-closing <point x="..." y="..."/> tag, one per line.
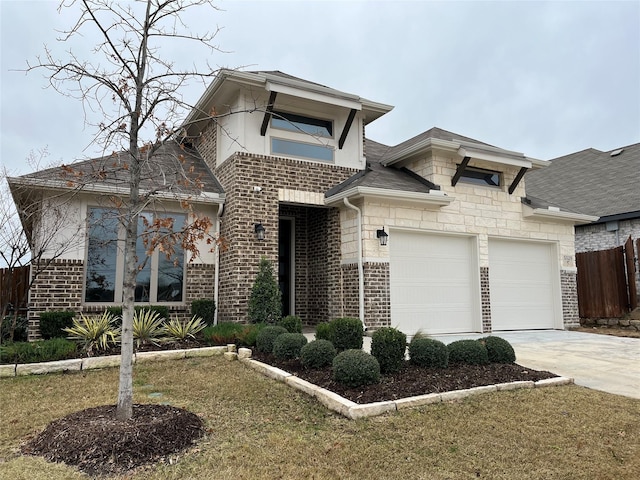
<point x="602" y="362"/>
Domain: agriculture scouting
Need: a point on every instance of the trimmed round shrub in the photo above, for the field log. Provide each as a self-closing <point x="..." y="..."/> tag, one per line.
<point x="323" y="331"/>
<point x="292" y="323"/>
<point x="469" y="352"/>
<point x="288" y="345"/>
<point x="428" y="352"/>
<point x="346" y="333"/>
<point x="388" y="346"/>
<point x="317" y="354"/>
<point x="355" y="368"/>
<point x="499" y="350"/>
<point x="266" y="337"/>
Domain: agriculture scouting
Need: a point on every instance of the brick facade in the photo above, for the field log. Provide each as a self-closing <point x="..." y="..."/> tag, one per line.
<point x="245" y="206"/>
<point x="485" y="295"/>
<point x="377" y="295"/>
<point x="569" y="290"/>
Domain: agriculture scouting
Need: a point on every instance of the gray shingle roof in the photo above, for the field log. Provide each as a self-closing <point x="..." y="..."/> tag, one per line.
<point x="590" y="182"/>
<point x="434" y="132"/>
<point x="173" y="169"/>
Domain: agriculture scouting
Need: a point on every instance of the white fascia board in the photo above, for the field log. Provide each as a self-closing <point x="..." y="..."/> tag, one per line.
<point x="423" y="146"/>
<point x="433" y="199"/>
<point x="202" y="198"/>
<point x="503" y="157"/>
<point x="536" y="163"/>
<point x="314" y="96"/>
<point x="557" y="215"/>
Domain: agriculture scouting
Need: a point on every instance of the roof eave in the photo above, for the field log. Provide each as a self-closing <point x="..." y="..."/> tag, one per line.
<point x="557" y="215"/>
<point x="210" y="198"/>
<point x="434" y="199"/>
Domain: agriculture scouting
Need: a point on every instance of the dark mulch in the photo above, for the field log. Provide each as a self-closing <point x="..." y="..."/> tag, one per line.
<point x="98" y="444"/>
<point x="411" y="380"/>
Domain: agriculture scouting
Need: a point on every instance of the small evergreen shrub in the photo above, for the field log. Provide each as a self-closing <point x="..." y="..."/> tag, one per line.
<point x="292" y="323"/>
<point x="21" y="329"/>
<point x="223" y="333"/>
<point x="52" y="324"/>
<point x="267" y="336"/>
<point x="148" y="327"/>
<point x="469" y="352"/>
<point x="355" y="368"/>
<point x="204" y="308"/>
<point x="288" y="345"/>
<point x="388" y="346"/>
<point x="41" y="351"/>
<point x="429" y="353"/>
<point x="499" y="350"/>
<point x="324" y="331"/>
<point x="265" y="304"/>
<point x="317" y="354"/>
<point x="346" y="333"/>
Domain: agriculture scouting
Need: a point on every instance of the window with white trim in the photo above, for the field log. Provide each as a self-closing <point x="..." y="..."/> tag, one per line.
<point x="160" y="279"/>
<point x="480" y="176"/>
<point x="304" y="146"/>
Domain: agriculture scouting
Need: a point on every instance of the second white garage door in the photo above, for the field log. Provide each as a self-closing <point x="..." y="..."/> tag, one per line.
<point x="434" y="283"/>
<point x="524" y="285"/>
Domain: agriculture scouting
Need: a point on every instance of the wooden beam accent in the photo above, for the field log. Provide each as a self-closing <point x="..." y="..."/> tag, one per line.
<point x="516" y="180"/>
<point x="267" y="113"/>
<point x="460" y="171"/>
<point x="347" y="126"/>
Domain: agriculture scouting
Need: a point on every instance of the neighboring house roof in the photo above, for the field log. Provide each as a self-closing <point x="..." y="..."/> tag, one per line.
<point x="174" y="169"/>
<point x="603" y="184"/>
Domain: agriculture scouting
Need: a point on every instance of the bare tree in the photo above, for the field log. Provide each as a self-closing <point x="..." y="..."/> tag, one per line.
<point x="135" y="93"/>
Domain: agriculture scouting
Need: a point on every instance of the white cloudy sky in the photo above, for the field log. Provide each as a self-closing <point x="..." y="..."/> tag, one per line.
<point x="544" y="78"/>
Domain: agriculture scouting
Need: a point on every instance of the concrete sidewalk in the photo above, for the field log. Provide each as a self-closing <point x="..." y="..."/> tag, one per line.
<point x="602" y="362"/>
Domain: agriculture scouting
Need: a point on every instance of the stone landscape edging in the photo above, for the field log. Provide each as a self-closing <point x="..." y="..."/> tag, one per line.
<point x="91" y="363"/>
<point x="329" y="399"/>
<point x="354" y="411"/>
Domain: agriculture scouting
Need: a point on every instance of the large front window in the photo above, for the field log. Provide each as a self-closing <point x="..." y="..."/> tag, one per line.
<point x="311" y="143"/>
<point x="160" y="277"/>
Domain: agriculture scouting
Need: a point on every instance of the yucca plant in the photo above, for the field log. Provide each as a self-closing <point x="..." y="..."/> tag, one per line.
<point x="148" y="327"/>
<point x="94" y="332"/>
<point x="176" y="330"/>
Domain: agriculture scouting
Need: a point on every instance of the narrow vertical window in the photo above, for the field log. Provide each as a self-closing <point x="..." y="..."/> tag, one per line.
<point x="102" y="254"/>
<point x="171" y="267"/>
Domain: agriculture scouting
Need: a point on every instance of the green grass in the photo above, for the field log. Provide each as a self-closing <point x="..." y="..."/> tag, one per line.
<point x="259" y="428"/>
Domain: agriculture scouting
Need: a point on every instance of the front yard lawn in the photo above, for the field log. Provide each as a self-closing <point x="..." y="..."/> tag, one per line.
<point x="260" y="428"/>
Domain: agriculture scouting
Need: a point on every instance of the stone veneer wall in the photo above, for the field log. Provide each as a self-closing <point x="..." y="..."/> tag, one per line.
<point x="569" y="290"/>
<point x="485" y="296"/>
<point x="244" y="207"/>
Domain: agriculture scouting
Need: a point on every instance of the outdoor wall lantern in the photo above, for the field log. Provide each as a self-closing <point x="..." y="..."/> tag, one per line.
<point x="382" y="236"/>
<point x="259" y="229"/>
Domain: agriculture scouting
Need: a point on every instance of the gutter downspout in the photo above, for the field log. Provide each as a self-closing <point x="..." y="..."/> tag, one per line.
<point x="216" y="275"/>
<point x="360" y="266"/>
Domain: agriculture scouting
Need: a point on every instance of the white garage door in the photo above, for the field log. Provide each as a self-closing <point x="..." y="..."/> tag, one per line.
<point x="524" y="285"/>
<point x="434" y="283"/>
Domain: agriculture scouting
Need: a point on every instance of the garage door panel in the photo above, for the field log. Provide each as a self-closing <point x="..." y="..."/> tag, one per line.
<point x="522" y="285"/>
<point x="432" y="283"/>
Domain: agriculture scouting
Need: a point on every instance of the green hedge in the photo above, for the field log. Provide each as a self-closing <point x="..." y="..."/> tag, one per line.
<point x="40" y="351"/>
<point x="204" y="308"/>
<point x="52" y="323"/>
<point x="388" y="346"/>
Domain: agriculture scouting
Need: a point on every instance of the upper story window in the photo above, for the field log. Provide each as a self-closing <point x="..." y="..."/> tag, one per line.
<point x="310" y="142"/>
<point x="480" y="176"/>
<point x="302" y="124"/>
<point x="159" y="279"/>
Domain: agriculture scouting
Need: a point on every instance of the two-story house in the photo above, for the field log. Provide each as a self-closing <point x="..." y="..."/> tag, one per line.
<point x="434" y="234"/>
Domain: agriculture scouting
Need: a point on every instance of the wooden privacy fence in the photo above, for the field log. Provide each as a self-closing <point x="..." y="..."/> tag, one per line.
<point x="607" y="281"/>
<point x="14" y="286"/>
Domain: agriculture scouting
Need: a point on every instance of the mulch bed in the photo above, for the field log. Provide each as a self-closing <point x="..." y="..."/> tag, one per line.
<point x="411" y="380"/>
<point x="98" y="444"/>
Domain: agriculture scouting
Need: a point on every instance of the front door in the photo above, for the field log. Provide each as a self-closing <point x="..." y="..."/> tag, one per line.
<point x="285" y="265"/>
